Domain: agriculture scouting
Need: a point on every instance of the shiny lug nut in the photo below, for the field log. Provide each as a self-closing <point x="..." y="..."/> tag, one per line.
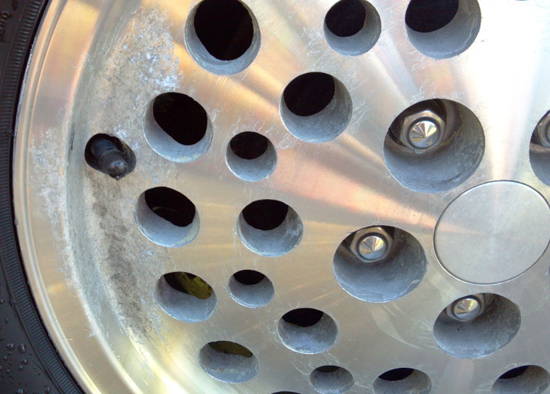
<point x="467" y="308"/>
<point x="422" y="131"/>
<point x="424" y="134"/>
<point x="372" y="247"/>
<point x="371" y="244"/>
<point x="542" y="132"/>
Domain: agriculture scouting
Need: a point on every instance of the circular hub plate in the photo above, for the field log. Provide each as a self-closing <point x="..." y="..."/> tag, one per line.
<point x="493" y="232"/>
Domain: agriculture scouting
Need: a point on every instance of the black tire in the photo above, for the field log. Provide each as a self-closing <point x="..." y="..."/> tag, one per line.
<point x="29" y="362"/>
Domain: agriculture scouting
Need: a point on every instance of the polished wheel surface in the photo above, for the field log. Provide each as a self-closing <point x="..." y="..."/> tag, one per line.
<point x="278" y="196"/>
<point x="493" y="232"/>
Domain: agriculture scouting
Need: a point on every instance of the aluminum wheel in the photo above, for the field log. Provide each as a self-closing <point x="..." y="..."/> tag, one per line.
<point x="304" y="197"/>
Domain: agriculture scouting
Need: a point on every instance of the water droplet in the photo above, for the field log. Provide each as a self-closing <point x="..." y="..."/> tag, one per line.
<point x="21" y="367"/>
<point x="10" y="346"/>
<point x="2" y="301"/>
<point x="48" y="390"/>
<point x="24" y="361"/>
<point x="8" y="370"/>
<point x="5" y="358"/>
<point x="20" y="391"/>
<point x="22" y="348"/>
<point x="1" y="367"/>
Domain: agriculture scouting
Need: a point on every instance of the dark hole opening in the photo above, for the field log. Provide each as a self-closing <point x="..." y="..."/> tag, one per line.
<point x="397" y="374"/>
<point x="233" y="348"/>
<point x="170" y="205"/>
<point x="285" y="392"/>
<point x="425" y="16"/>
<point x="249" y="277"/>
<point x="346" y="18"/>
<point x="328" y="369"/>
<point x="181" y="117"/>
<point x="249" y="145"/>
<point x="305" y="317"/>
<point x="187" y="283"/>
<point x="265" y="214"/>
<point x="309" y="94"/>
<point x="514" y="373"/>
<point x="224" y="27"/>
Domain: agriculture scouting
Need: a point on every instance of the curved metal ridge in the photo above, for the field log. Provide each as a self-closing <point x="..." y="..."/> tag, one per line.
<point x="99" y="253"/>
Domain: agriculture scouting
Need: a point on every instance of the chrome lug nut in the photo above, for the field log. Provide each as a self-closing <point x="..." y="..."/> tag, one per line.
<point x="542" y="132"/>
<point x="467" y="308"/>
<point x="371" y="244"/>
<point x="424" y="134"/>
<point x="422" y="131"/>
<point x="372" y="247"/>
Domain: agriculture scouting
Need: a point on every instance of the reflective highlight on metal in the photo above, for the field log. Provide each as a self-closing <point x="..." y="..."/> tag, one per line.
<point x="372" y="247"/>
<point x="467" y="308"/>
<point x="422" y="131"/>
<point x="424" y="134"/>
<point x="97" y="65"/>
<point x="371" y="244"/>
<point x="493" y="232"/>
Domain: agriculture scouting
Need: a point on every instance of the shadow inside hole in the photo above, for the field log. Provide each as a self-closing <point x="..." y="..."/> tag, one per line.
<point x="166" y="217"/>
<point x="442" y="29"/>
<point x="307" y="331"/>
<point x="305" y="317"/>
<point x="514" y="373"/>
<point x="269" y="228"/>
<point x="352" y="27"/>
<point x="251" y="289"/>
<point x="309" y="94"/>
<point x="331" y="379"/>
<point x="249" y="277"/>
<point x="228" y="361"/>
<point x="224" y="27"/>
<point x="186" y="297"/>
<point x="222" y="36"/>
<point x="181" y="117"/>
<point x="316" y="107"/>
<point x="426" y="16"/>
<point x="189" y="284"/>
<point x="251" y="156"/>
<point x="402" y="380"/>
<point x="527" y="379"/>
<point x="170" y="205"/>
<point x="397" y="374"/>
<point x="265" y="214"/>
<point x="346" y="18"/>
<point x="249" y="145"/>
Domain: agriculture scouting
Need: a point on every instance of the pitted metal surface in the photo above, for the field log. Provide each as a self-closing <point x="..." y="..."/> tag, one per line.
<point x="96" y="68"/>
